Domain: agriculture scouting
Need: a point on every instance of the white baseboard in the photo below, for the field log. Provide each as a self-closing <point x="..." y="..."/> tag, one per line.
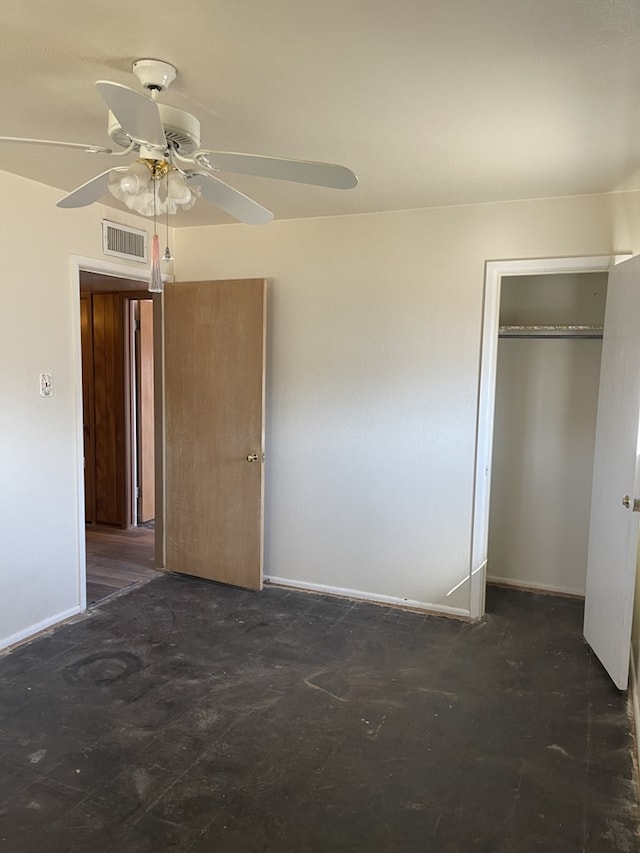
<point x="543" y="587"/>
<point x="38" y="628"/>
<point x="634" y="698"/>
<point x="371" y="597"/>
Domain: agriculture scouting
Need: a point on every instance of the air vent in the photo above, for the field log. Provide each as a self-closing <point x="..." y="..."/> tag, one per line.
<point x="124" y="242"/>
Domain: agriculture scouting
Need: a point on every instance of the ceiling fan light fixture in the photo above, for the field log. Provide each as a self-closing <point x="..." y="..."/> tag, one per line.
<point x="179" y="195"/>
<point x="133" y="187"/>
<point x="140" y="188"/>
<point x="136" y="179"/>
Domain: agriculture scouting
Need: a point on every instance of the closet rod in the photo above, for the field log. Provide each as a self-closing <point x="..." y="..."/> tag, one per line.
<point x="562" y="332"/>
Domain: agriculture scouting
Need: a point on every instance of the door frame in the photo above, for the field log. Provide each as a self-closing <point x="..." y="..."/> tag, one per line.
<point x="80" y="264"/>
<point x="494" y="272"/>
<point x="137" y="492"/>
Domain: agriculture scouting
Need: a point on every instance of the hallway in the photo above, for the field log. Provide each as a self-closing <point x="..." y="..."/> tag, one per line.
<point x="118" y="558"/>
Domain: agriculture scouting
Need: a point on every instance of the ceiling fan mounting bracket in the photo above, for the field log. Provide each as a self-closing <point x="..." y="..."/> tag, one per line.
<point x="154" y="74"/>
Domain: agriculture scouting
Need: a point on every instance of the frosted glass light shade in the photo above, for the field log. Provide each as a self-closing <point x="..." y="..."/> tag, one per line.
<point x="143" y="194"/>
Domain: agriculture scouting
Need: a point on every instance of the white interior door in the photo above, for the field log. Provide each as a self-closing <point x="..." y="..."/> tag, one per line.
<point x="613" y="531"/>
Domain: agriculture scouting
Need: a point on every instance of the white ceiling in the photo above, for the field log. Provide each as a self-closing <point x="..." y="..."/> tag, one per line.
<point x="430" y="102"/>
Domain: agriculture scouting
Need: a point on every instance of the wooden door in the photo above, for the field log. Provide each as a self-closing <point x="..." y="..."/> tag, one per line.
<point x="613" y="532"/>
<point x="110" y="429"/>
<point x="102" y="341"/>
<point x="145" y="414"/>
<point x="214" y="345"/>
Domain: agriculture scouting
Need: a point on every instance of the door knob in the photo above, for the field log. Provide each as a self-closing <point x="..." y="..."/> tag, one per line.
<point x="252" y="457"/>
<point x="626" y="503"/>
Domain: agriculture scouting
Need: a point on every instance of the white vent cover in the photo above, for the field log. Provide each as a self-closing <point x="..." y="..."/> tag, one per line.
<point x="125" y="242"/>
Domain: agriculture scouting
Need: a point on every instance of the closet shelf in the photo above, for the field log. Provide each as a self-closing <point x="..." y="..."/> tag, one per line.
<point x="550" y="331"/>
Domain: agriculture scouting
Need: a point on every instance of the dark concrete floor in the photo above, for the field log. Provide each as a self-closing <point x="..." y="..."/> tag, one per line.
<point x="188" y="716"/>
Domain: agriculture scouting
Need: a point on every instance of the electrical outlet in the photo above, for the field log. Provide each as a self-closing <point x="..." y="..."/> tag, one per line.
<point x="46" y="385"/>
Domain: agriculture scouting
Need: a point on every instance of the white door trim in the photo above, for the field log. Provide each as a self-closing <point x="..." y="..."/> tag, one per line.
<point x="494" y="272"/>
<point x="82" y="264"/>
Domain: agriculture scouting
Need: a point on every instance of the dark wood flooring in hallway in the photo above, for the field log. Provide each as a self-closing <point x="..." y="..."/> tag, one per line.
<point x="117" y="558"/>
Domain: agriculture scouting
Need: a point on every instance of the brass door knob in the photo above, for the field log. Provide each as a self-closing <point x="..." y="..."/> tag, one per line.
<point x="252" y="457"/>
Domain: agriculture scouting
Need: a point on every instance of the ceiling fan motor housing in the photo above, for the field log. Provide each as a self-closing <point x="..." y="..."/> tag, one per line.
<point x="181" y="129"/>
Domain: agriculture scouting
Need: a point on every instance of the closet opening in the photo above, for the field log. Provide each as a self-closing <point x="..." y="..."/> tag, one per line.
<point x="559" y="294"/>
<point x="546" y="397"/>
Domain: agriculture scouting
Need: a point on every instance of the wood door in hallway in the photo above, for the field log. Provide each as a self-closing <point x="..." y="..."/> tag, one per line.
<point x="214" y="347"/>
<point x="105" y="410"/>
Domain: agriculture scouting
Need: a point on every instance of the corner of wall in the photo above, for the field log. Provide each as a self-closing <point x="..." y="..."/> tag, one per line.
<point x="33" y="630"/>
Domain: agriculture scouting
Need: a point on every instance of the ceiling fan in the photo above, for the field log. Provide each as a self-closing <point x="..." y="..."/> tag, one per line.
<point x="171" y="170"/>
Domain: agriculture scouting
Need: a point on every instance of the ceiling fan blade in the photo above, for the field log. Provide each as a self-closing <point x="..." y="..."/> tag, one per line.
<point x="232" y="201"/>
<point x="137" y="114"/>
<point x="90" y="191"/>
<point x="90" y="149"/>
<point x="300" y="171"/>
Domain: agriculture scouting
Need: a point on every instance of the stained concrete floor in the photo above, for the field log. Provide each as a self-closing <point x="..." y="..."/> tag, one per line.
<point x="187" y="716"/>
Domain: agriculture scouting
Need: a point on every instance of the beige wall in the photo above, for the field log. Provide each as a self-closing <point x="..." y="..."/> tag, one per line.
<point x="373" y="361"/>
<point x="373" y="368"/>
<point x="40" y="491"/>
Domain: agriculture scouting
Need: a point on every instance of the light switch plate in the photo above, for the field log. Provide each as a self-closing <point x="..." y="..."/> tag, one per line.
<point x="46" y="385"/>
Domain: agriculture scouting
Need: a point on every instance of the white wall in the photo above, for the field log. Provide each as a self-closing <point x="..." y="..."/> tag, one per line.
<point x="544" y="435"/>
<point x="373" y="361"/>
<point x="40" y="492"/>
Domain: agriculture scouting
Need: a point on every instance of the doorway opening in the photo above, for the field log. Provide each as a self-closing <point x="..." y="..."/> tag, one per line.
<point x="117" y="347"/>
<point x="536" y="393"/>
<point x="547" y="383"/>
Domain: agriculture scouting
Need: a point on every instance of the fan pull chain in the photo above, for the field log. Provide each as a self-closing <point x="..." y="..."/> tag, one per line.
<point x="155" y="283"/>
<point x="167" y="252"/>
